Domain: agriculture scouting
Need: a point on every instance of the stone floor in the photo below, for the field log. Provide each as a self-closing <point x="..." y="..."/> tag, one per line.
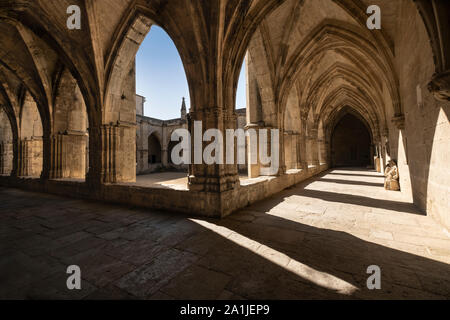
<point x="173" y="180"/>
<point x="170" y="180"/>
<point x="313" y="241"/>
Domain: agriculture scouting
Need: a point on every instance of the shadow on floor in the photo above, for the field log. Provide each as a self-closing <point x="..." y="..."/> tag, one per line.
<point x="136" y="254"/>
<point x="352" y="182"/>
<point x="357" y="175"/>
<point x="346" y="257"/>
<point x="362" y="201"/>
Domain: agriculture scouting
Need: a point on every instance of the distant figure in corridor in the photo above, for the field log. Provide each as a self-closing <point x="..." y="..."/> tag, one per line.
<point x="391" y="174"/>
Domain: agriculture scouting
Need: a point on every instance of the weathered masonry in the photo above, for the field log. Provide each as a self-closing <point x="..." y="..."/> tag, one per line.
<point x="315" y="72"/>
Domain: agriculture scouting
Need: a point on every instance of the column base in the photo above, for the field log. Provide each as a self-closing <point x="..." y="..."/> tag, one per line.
<point x="213" y="184"/>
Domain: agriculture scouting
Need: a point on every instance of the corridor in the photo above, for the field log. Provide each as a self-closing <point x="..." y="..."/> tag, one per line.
<point x="312" y="241"/>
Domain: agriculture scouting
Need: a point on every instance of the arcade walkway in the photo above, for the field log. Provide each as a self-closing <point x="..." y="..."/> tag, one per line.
<point x="313" y="241"/>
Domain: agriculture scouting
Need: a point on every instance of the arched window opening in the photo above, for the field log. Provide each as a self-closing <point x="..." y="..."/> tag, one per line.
<point x="70" y="142"/>
<point x="160" y="76"/>
<point x="154" y="150"/>
<point x="241" y="92"/>
<point x="162" y="104"/>
<point x="241" y="113"/>
<point x="30" y="151"/>
<point x="6" y="145"/>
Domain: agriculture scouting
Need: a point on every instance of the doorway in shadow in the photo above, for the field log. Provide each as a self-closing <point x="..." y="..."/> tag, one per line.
<point x="350" y="143"/>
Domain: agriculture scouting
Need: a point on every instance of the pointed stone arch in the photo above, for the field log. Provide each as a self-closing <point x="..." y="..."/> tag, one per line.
<point x="338" y="35"/>
<point x="154" y="149"/>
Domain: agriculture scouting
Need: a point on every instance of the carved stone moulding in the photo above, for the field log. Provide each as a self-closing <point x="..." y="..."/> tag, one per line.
<point x="399" y="121"/>
<point x="440" y="86"/>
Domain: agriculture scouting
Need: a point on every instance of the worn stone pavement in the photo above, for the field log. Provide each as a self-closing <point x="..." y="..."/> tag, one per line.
<point x="313" y="241"/>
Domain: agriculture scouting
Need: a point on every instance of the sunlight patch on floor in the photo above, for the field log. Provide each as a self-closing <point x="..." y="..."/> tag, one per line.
<point x="319" y="278"/>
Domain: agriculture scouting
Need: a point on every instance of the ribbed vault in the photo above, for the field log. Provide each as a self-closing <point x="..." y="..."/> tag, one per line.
<point x="308" y="62"/>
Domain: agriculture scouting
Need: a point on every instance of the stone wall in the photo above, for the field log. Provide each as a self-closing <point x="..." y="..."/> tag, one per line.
<point x="427" y="128"/>
<point x="308" y="62"/>
<point x="183" y="201"/>
<point x="162" y="131"/>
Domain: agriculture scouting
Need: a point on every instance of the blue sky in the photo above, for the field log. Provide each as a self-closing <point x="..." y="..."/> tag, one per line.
<point x="160" y="77"/>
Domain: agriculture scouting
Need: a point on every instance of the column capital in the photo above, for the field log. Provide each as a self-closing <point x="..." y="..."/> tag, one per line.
<point x="255" y="125"/>
<point x="399" y="121"/>
<point x="206" y="111"/>
<point x="304" y="116"/>
<point x="440" y="86"/>
<point x="126" y="124"/>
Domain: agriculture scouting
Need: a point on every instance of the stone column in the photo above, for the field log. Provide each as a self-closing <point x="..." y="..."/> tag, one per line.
<point x="56" y="157"/>
<point x="302" y="160"/>
<point x="165" y="157"/>
<point x="215" y="178"/>
<point x="23" y="158"/>
<point x="103" y="154"/>
<point x="86" y="155"/>
<point x="281" y="151"/>
<point x="290" y="150"/>
<point x="322" y="150"/>
<point x="37" y="156"/>
<point x="93" y="175"/>
<point x="382" y="153"/>
<point x="313" y="138"/>
<point x="295" y="154"/>
<point x="165" y="145"/>
<point x="2" y="158"/>
<point x="7" y="156"/>
<point x="372" y="155"/>
<point x="114" y="153"/>
<point x="385" y="149"/>
<point x="253" y="150"/>
<point x="110" y="146"/>
<point x="68" y="158"/>
<point x="253" y="146"/>
<point x="382" y="142"/>
<point x="381" y="156"/>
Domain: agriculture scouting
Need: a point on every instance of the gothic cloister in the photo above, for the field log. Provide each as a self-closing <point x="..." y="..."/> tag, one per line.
<point x="345" y="99"/>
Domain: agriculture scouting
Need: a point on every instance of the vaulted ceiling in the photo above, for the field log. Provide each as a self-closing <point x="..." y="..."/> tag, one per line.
<point x="320" y="48"/>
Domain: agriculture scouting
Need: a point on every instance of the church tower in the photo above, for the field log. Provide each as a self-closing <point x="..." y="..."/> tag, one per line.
<point x="183" y="110"/>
